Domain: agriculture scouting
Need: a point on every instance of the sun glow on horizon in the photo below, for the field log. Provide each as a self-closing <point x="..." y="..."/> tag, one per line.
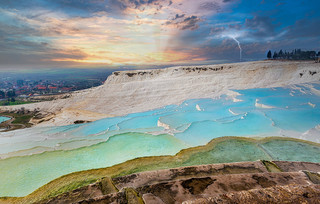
<point x="123" y="32"/>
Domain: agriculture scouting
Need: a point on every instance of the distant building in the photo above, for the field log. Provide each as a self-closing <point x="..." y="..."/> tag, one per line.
<point x="66" y="89"/>
<point x="41" y="87"/>
<point x="53" y="88"/>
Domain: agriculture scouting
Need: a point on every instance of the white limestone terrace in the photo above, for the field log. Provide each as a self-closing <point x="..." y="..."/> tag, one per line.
<point x="127" y="92"/>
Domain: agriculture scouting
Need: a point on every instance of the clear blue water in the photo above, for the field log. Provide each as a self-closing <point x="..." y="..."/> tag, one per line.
<point x="49" y="152"/>
<point x="2" y="119"/>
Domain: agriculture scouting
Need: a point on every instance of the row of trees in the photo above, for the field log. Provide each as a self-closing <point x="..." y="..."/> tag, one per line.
<point x="296" y="54"/>
<point x="7" y="102"/>
<point x="8" y="94"/>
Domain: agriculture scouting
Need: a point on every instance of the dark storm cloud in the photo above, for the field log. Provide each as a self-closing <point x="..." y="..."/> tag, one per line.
<point x="34" y="31"/>
<point x="178" y="16"/>
<point x="210" y="6"/>
<point x="261" y="26"/>
<point x="187" y="23"/>
<point x="140" y="4"/>
<point x="304" y="28"/>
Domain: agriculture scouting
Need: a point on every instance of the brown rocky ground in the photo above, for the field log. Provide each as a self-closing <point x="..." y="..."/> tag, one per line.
<point x="243" y="182"/>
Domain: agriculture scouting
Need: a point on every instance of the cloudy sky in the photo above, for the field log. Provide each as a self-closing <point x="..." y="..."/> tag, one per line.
<point x="103" y="33"/>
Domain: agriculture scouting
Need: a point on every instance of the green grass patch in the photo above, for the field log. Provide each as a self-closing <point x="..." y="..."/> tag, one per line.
<point x="22" y="119"/>
<point x="17" y="102"/>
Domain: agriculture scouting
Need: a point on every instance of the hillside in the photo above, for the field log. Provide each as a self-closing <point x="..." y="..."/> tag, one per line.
<point x="141" y="90"/>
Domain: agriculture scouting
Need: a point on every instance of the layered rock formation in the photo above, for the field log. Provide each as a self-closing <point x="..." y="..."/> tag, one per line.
<point x="135" y="91"/>
<point x="244" y="182"/>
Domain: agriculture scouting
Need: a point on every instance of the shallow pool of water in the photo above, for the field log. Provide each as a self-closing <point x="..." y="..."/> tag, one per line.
<point x="2" y="119"/>
<point x="32" y="157"/>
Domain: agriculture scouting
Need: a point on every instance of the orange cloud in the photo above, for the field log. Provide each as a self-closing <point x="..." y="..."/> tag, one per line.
<point x="140" y="37"/>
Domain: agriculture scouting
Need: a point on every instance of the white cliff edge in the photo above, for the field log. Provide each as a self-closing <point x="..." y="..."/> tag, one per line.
<point x="141" y="90"/>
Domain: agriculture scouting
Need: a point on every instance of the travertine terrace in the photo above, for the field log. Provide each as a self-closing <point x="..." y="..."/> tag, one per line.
<point x="141" y="90"/>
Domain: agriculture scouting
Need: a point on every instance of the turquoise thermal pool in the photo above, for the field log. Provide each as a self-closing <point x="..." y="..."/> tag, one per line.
<point x="32" y="157"/>
<point x="2" y="119"/>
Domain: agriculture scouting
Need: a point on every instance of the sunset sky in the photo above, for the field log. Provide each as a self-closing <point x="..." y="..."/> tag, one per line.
<point x="109" y="33"/>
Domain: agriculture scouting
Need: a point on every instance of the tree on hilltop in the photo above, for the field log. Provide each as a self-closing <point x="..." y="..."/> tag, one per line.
<point x="280" y="55"/>
<point x="269" y="54"/>
<point x="275" y="55"/>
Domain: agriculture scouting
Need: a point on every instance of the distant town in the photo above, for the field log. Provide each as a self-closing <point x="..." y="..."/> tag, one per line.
<point x="28" y="88"/>
<point x="24" y="88"/>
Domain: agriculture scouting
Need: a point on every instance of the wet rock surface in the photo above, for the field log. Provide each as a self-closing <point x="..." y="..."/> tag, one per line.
<point x="243" y="182"/>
